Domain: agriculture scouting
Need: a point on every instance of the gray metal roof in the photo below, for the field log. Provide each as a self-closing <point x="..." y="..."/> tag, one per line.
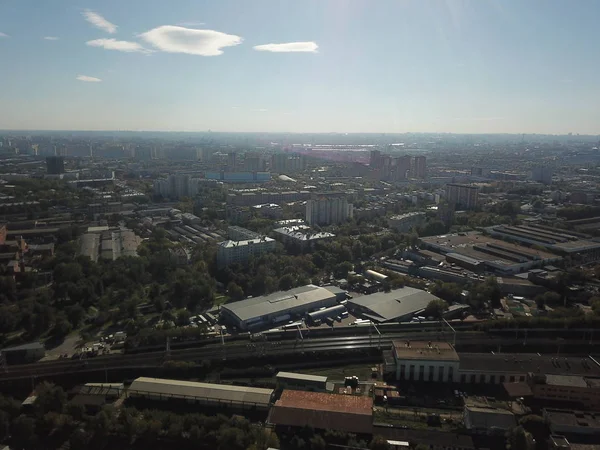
<point x="278" y="301"/>
<point x="30" y="346"/>
<point x="301" y="377"/>
<point x="207" y="391"/>
<point x="394" y="304"/>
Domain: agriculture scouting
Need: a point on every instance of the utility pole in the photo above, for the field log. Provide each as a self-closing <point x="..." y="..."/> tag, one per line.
<point x="301" y="337"/>
<point x="378" y="332"/>
<point x="453" y="330"/>
<point x="223" y="344"/>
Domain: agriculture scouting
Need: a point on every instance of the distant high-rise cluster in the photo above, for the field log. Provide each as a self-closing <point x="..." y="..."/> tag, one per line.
<point x="398" y="168"/>
<point x="328" y="210"/>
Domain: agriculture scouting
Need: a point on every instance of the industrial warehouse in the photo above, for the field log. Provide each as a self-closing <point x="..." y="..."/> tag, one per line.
<point x="395" y="306"/>
<point x="218" y="395"/>
<point x="480" y="253"/>
<point x="315" y="303"/>
<point x="578" y="246"/>
<point x="280" y="307"/>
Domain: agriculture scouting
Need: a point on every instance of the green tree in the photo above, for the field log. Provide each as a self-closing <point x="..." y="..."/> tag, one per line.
<point x="79" y="440"/>
<point x="235" y="291"/>
<point x="379" y="443"/>
<point x="519" y="439"/>
<point x="436" y="308"/>
<point x="50" y="398"/>
<point x="317" y="443"/>
<point x="286" y="282"/>
<point x="22" y="432"/>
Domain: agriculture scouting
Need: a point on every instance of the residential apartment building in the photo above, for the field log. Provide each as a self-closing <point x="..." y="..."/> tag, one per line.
<point x="462" y="196"/>
<point x="240" y="252"/>
<point x="420" y="167"/>
<point x="327" y="211"/>
<point x="542" y="174"/>
<point x="406" y="222"/>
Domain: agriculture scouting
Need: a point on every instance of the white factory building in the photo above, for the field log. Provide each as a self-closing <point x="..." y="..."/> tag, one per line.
<point x="440" y="363"/>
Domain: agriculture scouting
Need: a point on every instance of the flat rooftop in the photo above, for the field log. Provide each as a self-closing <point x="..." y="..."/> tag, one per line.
<point x="301" y="377"/>
<point x="528" y="362"/>
<point x="207" y="391"/>
<point x="575" y="419"/>
<point x="422" y="350"/>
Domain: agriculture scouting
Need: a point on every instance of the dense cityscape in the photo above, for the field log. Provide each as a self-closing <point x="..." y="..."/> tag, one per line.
<point x="299" y="291"/>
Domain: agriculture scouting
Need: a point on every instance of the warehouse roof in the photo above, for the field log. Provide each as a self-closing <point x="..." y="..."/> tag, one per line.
<point x="486" y="418"/>
<point x="385" y="306"/>
<point x="30" y="346"/>
<point x="278" y="301"/>
<point x="301" y="377"/>
<point x="189" y="389"/>
<point x="322" y="411"/>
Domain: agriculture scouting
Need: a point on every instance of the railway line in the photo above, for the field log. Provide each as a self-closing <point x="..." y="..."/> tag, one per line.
<point x="246" y="350"/>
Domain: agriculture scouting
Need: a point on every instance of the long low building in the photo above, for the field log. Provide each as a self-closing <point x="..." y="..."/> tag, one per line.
<point x="321" y="411"/>
<point x="439" y="362"/>
<point x="479" y="253"/>
<point x="277" y="308"/>
<point x="394" y="306"/>
<point x="581" y="248"/>
<point x="209" y="394"/>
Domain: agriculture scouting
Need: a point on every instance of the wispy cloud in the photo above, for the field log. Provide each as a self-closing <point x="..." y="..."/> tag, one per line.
<point x="121" y="46"/>
<point x="306" y="47"/>
<point x="260" y="110"/>
<point x="88" y="79"/>
<point x="99" y="22"/>
<point x="174" y="39"/>
<point x="3" y="35"/>
<point x="191" y="24"/>
<point x="236" y="107"/>
<point x="51" y="38"/>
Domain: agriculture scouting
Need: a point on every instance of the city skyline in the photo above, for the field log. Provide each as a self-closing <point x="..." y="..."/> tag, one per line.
<point x="303" y="67"/>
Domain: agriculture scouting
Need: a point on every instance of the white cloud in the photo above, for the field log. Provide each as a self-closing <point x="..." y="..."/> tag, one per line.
<point x="121" y="46"/>
<point x="260" y="110"/>
<point x="88" y="79"/>
<point x="174" y="39"/>
<point x="307" y="47"/>
<point x="99" y="22"/>
<point x="191" y="24"/>
<point x="3" y="34"/>
<point x="51" y="38"/>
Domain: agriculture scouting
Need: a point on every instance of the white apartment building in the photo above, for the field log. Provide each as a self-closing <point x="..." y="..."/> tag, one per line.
<point x="232" y="252"/>
<point x="406" y="222"/>
<point x="327" y="211"/>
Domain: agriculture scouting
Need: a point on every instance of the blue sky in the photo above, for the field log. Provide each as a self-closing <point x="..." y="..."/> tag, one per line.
<point x="464" y="66"/>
